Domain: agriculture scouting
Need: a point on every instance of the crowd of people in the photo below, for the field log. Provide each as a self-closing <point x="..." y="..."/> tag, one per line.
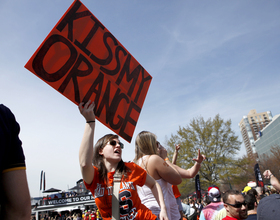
<point x="151" y="174"/>
<point x="143" y="189"/>
<point x="253" y="203"/>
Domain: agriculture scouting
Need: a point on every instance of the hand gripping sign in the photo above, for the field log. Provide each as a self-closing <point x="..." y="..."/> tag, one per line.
<point x="82" y="60"/>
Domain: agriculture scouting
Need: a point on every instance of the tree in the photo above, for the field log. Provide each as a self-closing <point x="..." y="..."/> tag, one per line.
<point x="271" y="162"/>
<point x="217" y="141"/>
<point x="245" y="167"/>
<point x="266" y="162"/>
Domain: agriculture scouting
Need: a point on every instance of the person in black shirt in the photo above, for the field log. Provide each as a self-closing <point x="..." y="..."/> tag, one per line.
<point x="14" y="192"/>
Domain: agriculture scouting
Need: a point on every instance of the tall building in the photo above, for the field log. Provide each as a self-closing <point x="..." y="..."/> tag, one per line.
<point x="269" y="137"/>
<point x="250" y="125"/>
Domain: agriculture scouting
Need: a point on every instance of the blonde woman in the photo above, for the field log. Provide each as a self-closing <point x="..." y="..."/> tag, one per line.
<point x="98" y="165"/>
<point x="152" y="156"/>
<point x="147" y="156"/>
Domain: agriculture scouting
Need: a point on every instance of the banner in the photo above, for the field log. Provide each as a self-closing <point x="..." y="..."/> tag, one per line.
<point x="68" y="200"/>
<point x="258" y="175"/>
<point x="83" y="61"/>
<point x="197" y="187"/>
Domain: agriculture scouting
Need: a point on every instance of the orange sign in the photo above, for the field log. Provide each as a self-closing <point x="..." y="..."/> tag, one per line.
<point x="82" y="60"/>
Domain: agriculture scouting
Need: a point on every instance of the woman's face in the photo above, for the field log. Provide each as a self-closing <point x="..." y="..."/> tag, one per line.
<point x="159" y="147"/>
<point x="162" y="152"/>
<point x="112" y="151"/>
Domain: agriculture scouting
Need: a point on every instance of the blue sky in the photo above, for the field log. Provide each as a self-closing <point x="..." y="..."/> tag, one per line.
<point x="205" y="57"/>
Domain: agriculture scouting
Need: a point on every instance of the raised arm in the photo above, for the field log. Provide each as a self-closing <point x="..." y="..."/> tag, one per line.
<point x="157" y="192"/>
<point x="86" y="148"/>
<point x="177" y="148"/>
<point x="190" y="173"/>
<point x="164" y="168"/>
<point x="273" y="180"/>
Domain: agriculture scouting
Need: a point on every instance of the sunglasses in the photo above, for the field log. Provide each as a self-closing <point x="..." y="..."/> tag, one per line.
<point x="114" y="143"/>
<point x="237" y="205"/>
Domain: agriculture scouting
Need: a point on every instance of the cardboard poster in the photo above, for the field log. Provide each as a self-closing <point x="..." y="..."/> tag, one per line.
<point x="83" y="61"/>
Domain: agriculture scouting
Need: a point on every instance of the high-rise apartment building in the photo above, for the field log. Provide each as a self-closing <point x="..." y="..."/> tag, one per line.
<point x="250" y="126"/>
<point x="269" y="137"/>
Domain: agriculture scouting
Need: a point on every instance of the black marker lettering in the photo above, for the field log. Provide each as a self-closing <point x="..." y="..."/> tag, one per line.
<point x="74" y="73"/>
<point x="118" y="97"/>
<point x="70" y="17"/>
<point x="141" y="85"/>
<point x="97" y="83"/>
<point x="107" y="60"/>
<point x="130" y="120"/>
<point x="37" y="63"/>
<point x="104" y="103"/>
<point x="117" y="69"/>
<point x="94" y="29"/>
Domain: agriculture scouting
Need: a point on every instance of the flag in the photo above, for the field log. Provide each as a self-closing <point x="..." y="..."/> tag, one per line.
<point x="258" y="175"/>
<point x="197" y="187"/>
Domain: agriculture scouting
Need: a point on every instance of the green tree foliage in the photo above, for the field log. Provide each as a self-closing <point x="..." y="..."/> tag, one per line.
<point x="246" y="173"/>
<point x="245" y="167"/>
<point x="218" y="142"/>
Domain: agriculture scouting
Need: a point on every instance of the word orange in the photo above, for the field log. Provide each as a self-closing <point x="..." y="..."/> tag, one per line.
<point x="82" y="60"/>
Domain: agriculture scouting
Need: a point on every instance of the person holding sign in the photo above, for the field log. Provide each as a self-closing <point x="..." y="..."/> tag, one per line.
<point x="107" y="159"/>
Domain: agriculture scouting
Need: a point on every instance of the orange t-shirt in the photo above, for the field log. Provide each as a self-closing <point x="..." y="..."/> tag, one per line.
<point x="130" y="203"/>
<point x="176" y="191"/>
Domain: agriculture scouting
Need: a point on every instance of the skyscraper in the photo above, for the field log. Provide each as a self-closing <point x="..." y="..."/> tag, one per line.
<point x="269" y="137"/>
<point x="250" y="126"/>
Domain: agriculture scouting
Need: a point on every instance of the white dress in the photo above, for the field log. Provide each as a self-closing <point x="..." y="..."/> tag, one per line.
<point x="148" y="199"/>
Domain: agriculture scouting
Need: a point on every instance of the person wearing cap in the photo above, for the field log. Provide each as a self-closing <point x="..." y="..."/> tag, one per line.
<point x="252" y="184"/>
<point x="246" y="189"/>
<point x="235" y="205"/>
<point x="255" y="193"/>
<point x="259" y="189"/>
<point x="209" y="211"/>
<point x="269" y="207"/>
